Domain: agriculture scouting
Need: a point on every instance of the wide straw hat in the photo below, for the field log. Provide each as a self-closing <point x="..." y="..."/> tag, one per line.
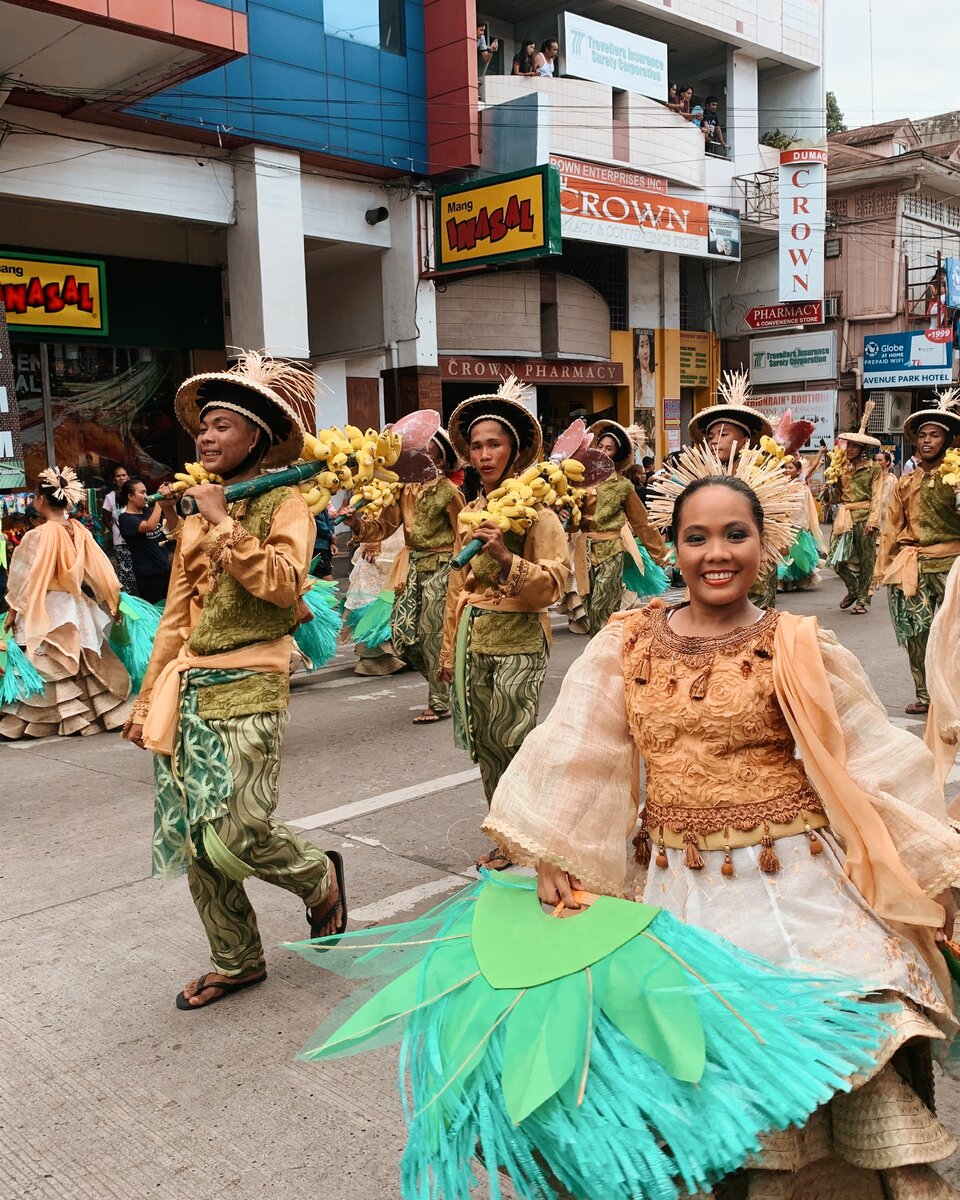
<point x="944" y="415"/>
<point x="621" y="435"/>
<point x="277" y="392"/>
<point x="505" y="405"/>
<point x="860" y="437"/>
<point x="734" y="390"/>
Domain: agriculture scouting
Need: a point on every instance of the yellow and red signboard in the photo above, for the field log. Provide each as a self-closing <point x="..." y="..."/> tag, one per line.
<point x="505" y="219"/>
<point x="54" y="295"/>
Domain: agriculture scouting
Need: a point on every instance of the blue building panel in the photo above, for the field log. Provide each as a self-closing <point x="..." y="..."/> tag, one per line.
<point x="303" y="88"/>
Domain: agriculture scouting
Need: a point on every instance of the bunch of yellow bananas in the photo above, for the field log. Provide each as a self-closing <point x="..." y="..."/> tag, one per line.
<point x="192" y="474"/>
<point x="353" y="459"/>
<point x="949" y="469"/>
<point x="772" y="448"/>
<point x="514" y="504"/>
<point x="838" y="460"/>
<point x="376" y="495"/>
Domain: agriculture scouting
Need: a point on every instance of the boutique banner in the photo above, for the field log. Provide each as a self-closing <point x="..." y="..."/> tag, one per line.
<point x="803" y="218"/>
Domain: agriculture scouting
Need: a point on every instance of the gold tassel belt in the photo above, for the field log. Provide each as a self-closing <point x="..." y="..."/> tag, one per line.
<point x="694" y="830"/>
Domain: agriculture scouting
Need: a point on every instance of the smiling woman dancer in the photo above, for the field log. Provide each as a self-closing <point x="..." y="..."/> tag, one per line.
<point x="782" y="808"/>
<point x="496" y="632"/>
<point x="214" y="699"/>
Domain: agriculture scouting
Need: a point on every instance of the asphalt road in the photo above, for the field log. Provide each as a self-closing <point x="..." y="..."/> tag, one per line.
<point x="108" y="1091"/>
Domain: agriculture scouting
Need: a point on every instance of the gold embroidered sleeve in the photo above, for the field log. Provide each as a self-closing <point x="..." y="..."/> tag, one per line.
<point x="636" y="514"/>
<point x="893" y="525"/>
<point x="272" y="570"/>
<point x="539" y="578"/>
<point x="875" y="517"/>
<point x="570" y="795"/>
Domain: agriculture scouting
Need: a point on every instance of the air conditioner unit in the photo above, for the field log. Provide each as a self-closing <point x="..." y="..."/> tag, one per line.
<point x="831" y="306"/>
<point x="891" y="410"/>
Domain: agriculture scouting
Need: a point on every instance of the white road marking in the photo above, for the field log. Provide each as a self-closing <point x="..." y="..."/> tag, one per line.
<point x="381" y="910"/>
<point x="360" y="808"/>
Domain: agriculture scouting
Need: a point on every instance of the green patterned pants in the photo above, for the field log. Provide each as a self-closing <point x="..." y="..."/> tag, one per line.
<point x="503" y="699"/>
<point x="912" y="617"/>
<point x="214" y="819"/>
<point x="606" y="590"/>
<point x="853" y="555"/>
<point x="417" y="626"/>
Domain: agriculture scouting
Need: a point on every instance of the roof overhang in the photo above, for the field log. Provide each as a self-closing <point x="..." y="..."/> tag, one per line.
<point x="106" y="54"/>
<point x="906" y="167"/>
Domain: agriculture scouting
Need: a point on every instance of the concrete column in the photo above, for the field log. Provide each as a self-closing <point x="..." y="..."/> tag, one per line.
<point x="742" y="103"/>
<point x="265" y="252"/>
<point x="409" y="303"/>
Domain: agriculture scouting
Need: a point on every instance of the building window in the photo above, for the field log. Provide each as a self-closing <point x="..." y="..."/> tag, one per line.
<point x="376" y="23"/>
<point x="604" y="268"/>
<point x="899" y="148"/>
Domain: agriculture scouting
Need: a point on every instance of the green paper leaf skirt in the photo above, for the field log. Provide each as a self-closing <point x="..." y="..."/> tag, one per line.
<point x="370" y="625"/>
<point x="19" y="678"/>
<point x="654" y="580"/>
<point x="317" y="639"/>
<point x="802" y="559"/>
<point x="651" y="1071"/>
<point x="132" y="638"/>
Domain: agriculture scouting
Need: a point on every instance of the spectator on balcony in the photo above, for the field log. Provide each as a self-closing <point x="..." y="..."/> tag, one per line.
<point x="673" y="97"/>
<point x="696" y="116"/>
<point x="712" y="133"/>
<point x="524" y="58"/>
<point x="684" y="101"/>
<point x="486" y="48"/>
<point x="545" y="63"/>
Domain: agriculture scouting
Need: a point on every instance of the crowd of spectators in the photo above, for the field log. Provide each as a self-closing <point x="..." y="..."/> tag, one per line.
<point x="706" y="116"/>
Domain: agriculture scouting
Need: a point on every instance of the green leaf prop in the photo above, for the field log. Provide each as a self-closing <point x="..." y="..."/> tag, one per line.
<point x="519" y="945"/>
<point x="467" y="1024"/>
<point x="545" y="1043"/>
<point x="645" y="993"/>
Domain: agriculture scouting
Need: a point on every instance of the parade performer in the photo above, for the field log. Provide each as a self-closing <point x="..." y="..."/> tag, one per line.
<point x="368" y="604"/>
<point x="857" y="486"/>
<point x="799" y="570"/>
<point x="729" y="428"/>
<point x="616" y="548"/>
<point x="213" y="703"/>
<point x="428" y="513"/>
<point x="63" y="595"/>
<point x="496" y="633"/>
<point x="920" y="540"/>
<point x="782" y="811"/>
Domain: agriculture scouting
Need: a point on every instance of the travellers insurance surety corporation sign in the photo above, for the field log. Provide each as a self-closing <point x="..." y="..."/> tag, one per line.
<point x="504" y="219"/>
<point x="43" y="294"/>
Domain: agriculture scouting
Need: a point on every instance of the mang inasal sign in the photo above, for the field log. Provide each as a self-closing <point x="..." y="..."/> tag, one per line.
<point x="505" y="219"/>
<point x="54" y="295"/>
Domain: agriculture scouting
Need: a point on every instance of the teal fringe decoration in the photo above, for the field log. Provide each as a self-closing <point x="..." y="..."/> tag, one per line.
<point x="132" y="638"/>
<point x="802" y="560"/>
<point x="840" y="548"/>
<point x="653" y="582"/>
<point x="575" y="1080"/>
<point x="370" y="625"/>
<point x="317" y="639"/>
<point x="19" y="678"/>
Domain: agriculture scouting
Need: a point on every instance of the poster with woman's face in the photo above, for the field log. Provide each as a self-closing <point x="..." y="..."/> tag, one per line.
<point x="644" y="370"/>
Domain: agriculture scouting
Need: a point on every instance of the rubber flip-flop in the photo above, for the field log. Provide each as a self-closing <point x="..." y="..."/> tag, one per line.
<point x="432" y="717"/>
<point x="319" y="920"/>
<point x="847" y="601"/>
<point x="858" y="610"/>
<point x="917" y="709"/>
<point x="228" y="990"/>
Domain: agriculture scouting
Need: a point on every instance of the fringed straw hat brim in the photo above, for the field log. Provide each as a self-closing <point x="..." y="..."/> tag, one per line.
<point x="950" y="421"/>
<point x="512" y="412"/>
<point x="617" y="431"/>
<point x="859" y="439"/>
<point x="190" y="401"/>
<point x="451" y="458"/>
<point x="740" y="415"/>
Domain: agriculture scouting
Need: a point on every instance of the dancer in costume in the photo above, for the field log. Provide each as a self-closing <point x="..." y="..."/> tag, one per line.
<point x="63" y="595"/>
<point x="920" y="540"/>
<point x="729" y="428"/>
<point x="799" y="571"/>
<point x="496" y="633"/>
<point x="428" y="513"/>
<point x="857" y="487"/>
<point x="213" y="703"/>
<point x="616" y="548"/>
<point x="782" y="811"/>
<point x="369" y="601"/>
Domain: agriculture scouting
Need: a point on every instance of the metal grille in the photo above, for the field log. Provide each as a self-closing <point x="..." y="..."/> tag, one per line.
<point x="604" y="268"/>
<point x="695" y="313"/>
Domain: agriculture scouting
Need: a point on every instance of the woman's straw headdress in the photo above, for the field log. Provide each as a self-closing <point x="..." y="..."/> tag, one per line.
<point x="63" y="482"/>
<point x="780" y="497"/>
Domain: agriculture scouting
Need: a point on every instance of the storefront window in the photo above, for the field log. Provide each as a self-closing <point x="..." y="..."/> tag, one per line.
<point x="108" y="405"/>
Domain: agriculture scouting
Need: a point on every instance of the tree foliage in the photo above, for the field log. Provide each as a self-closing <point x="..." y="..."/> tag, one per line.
<point x="835" y="121"/>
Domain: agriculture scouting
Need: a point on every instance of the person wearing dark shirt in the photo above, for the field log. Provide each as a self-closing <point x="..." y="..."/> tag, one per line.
<point x="145" y="538"/>
<point x="524" y="58"/>
<point x="710" y="124"/>
<point x="324" y="546"/>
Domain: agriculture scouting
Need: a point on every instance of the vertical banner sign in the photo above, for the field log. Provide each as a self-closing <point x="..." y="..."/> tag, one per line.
<point x="12" y="476"/>
<point x="803" y="217"/>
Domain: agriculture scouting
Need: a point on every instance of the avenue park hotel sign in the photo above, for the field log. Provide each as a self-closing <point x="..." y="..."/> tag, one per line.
<point x="525" y="215"/>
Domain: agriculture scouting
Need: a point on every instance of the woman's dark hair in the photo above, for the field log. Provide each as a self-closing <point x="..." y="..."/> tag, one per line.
<point x="528" y="42"/>
<point x="732" y="484"/>
<point x="46" y="490"/>
<point x="126" y="491"/>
